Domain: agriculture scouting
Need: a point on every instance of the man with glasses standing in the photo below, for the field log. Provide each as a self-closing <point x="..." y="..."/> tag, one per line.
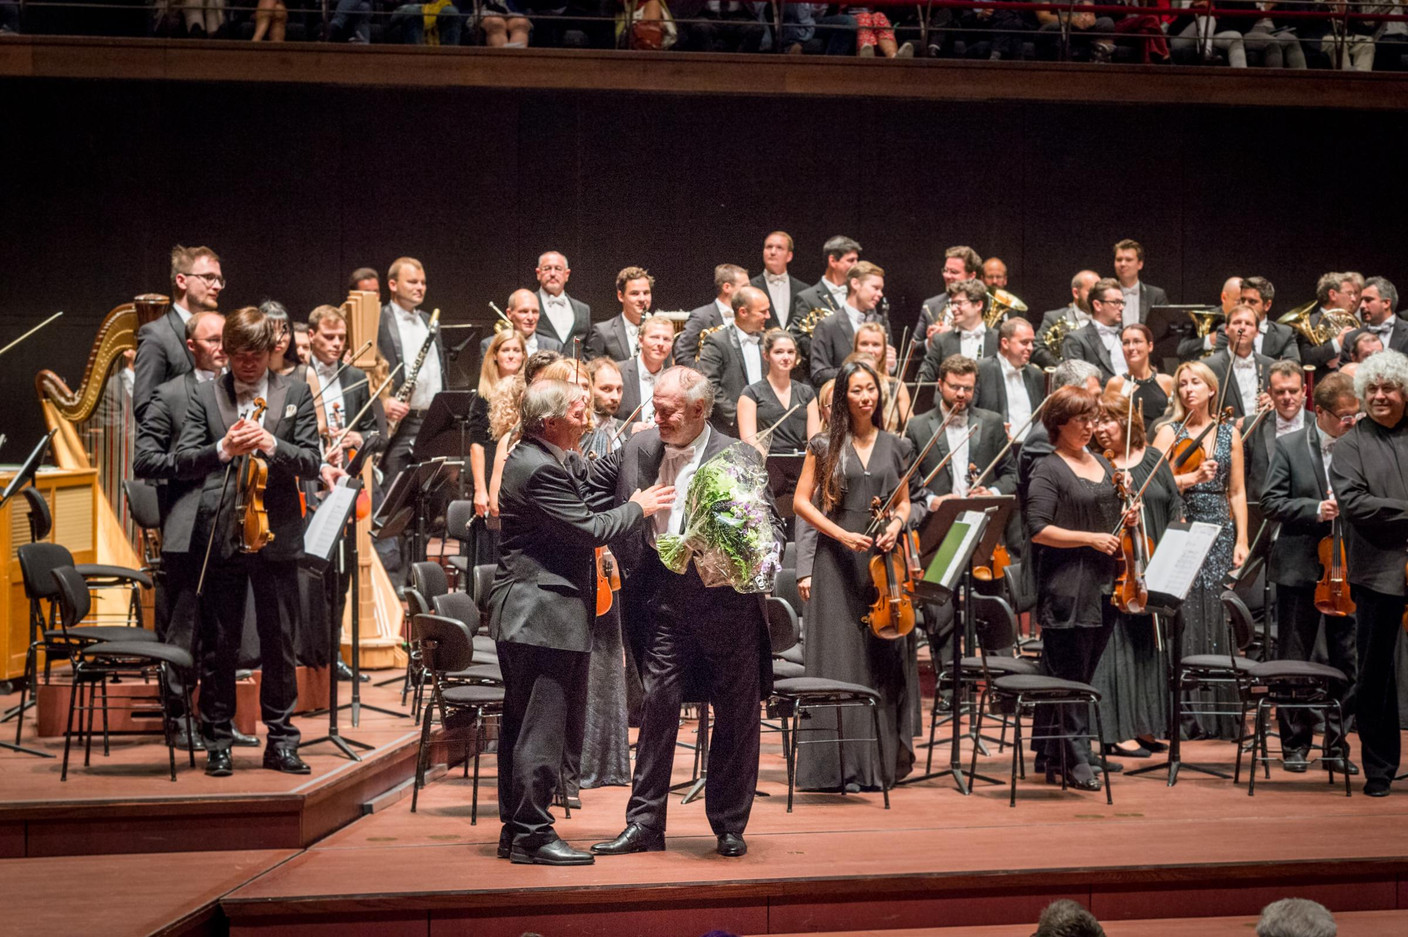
<point x="1297" y="493"/>
<point x="1099" y="342"/>
<point x="162" y="354"/>
<point x="969" y="336"/>
<point x="564" y="319"/>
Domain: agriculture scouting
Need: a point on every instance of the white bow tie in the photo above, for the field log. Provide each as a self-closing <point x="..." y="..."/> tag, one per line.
<point x="677" y="455"/>
<point x="325" y="371"/>
<point x="245" y="390"/>
<point x="976" y="333"/>
<point x="557" y="300"/>
<point x="1112" y="331"/>
<point x="752" y="339"/>
<point x="775" y="278"/>
<point x="1381" y="329"/>
<point x="959" y="421"/>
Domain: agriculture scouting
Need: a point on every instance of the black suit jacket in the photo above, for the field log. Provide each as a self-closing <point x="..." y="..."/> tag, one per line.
<point x="1084" y="343"/>
<point x="1221" y="365"/>
<point x="154" y="458"/>
<point x="795" y="288"/>
<point x="1150" y="296"/>
<point x="581" y="322"/>
<point x="832" y="340"/>
<point x="990" y="393"/>
<point x="983" y="446"/>
<point x="544" y="591"/>
<point x="608" y="338"/>
<point x="1373" y="497"/>
<point x="388" y="343"/>
<point x="1256" y="451"/>
<point x="1042" y="357"/>
<point x="950" y="343"/>
<point x="161" y="355"/>
<point x="353" y="399"/>
<point x="687" y="348"/>
<point x="1295" y="485"/>
<point x="816" y="296"/>
<point x="1279" y="343"/>
<point x="1319" y="355"/>
<point x="291" y="420"/>
<point x="722" y="363"/>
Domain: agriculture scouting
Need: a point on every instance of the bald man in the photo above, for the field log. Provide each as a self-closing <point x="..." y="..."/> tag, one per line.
<point x="995" y="274"/>
<point x="1076" y="314"/>
<point x="523" y="311"/>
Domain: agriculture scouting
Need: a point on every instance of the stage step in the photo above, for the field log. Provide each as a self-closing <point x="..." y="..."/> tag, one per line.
<point x="1350" y="924"/>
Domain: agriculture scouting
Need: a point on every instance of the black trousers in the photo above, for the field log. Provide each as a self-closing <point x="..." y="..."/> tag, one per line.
<point x="541" y="687"/>
<point x="1298" y="622"/>
<point x="1379" y="619"/>
<point x="222" y="621"/>
<point x="1071" y="654"/>
<point x="395" y="551"/>
<point x="708" y="638"/>
<point x="176" y="614"/>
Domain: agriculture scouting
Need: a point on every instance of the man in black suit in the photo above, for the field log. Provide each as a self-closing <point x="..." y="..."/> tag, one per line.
<point x="541" y="607"/>
<point x="1272" y="339"/>
<point x="782" y="287"/>
<point x="523" y="312"/>
<point x="828" y="294"/>
<point x="1286" y="383"/>
<point x="728" y="280"/>
<point x="154" y="458"/>
<point x="217" y="433"/>
<point x="1245" y="373"/>
<point x="1369" y="475"/>
<point x="714" y="639"/>
<point x="1139" y="297"/>
<point x="961" y="263"/>
<point x="1008" y="383"/>
<point x="639" y="373"/>
<point x="402" y="333"/>
<point x="196" y="282"/>
<point x="969" y="335"/>
<point x="1075" y="316"/>
<point x="564" y="318"/>
<point x="1099" y="341"/>
<point x="834" y="337"/>
<point x="618" y="338"/>
<point x="1334" y="290"/>
<point x="1376" y="310"/>
<point x="1297" y="493"/>
<point x="733" y="356"/>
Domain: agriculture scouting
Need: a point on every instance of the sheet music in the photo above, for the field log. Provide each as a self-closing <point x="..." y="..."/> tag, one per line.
<point x="956" y="550"/>
<point x="1178" y="557"/>
<point x="328" y="521"/>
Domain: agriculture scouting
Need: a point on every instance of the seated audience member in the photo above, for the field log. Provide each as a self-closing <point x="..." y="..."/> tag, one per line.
<point x="270" y="19"/>
<point x="652" y="26"/>
<point x="1198" y="38"/>
<point x="808" y="28"/>
<point x="1346" y="48"/>
<point x="1144" y="32"/>
<point x="994" y="33"/>
<point x="1066" y="918"/>
<point x="351" y="22"/>
<point x="1296" y="917"/>
<point x="1088" y="39"/>
<point x="717" y="26"/>
<point x="204" y="18"/>
<point x="1275" y="38"/>
<point x="873" y="33"/>
<point x="504" y="24"/>
<point x="407" y="24"/>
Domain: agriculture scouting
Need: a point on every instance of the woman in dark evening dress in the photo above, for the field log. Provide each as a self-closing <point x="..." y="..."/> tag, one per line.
<point x="763" y="404"/>
<point x="1071" y="510"/>
<point x="843" y="472"/>
<point x="1132" y="674"/>
<point x="1146" y="386"/>
<point x="1214" y="494"/>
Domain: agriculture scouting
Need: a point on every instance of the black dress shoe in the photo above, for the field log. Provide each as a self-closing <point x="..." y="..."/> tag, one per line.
<point x="505" y="844"/>
<point x="1115" y="751"/>
<point x="184" y="741"/>
<point x="634" y="838"/>
<point x="1073" y="781"/>
<point x="732" y="845"/>
<point x="242" y="740"/>
<point x="553" y="852"/>
<point x="219" y="765"/>
<point x="1376" y="787"/>
<point x="1152" y="746"/>
<point x="285" y="760"/>
<point x="1294" y="761"/>
<point x="1340" y="763"/>
<point x="344" y="673"/>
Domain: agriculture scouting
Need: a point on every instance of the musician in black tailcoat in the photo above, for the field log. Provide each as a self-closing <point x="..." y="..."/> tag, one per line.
<point x="216" y="434"/>
<point x="162" y="354"/>
<point x="1369" y="475"/>
<point x="826" y="296"/>
<point x="1246" y="374"/>
<point x="541" y="607"/>
<point x="618" y="338"/>
<point x="1287" y="393"/>
<point x="732" y="356"/>
<point x="401" y="334"/>
<point x="1297" y="493"/>
<point x="834" y="337"/>
<point x="712" y="640"/>
<point x="728" y="280"/>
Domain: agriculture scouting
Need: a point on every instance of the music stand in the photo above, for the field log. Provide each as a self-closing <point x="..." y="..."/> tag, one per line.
<point x="445" y="431"/>
<point x="1170" y="325"/>
<point x="984" y="519"/>
<point x="415" y="484"/>
<point x="27" y="469"/>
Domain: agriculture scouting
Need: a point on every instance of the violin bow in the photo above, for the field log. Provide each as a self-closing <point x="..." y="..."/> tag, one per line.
<point x="360" y="413"/>
<point x="30" y="332"/>
<point x="627" y="422"/>
<point x="344" y="366"/>
<point x="946" y="459"/>
<point x="909" y="473"/>
<point x="768" y="432"/>
<point x="892" y="409"/>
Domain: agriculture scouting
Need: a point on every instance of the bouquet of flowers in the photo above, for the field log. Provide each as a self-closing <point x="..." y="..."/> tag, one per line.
<point x="728" y="529"/>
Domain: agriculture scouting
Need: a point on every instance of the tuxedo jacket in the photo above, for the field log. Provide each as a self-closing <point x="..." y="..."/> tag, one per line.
<point x="1221" y="365"/>
<point x="950" y="343"/>
<point x="1085" y="344"/>
<point x="990" y="392"/>
<point x="983" y="446"/>
<point x="1295" y="485"/>
<point x="1257" y="449"/>
<point x="1279" y="343"/>
<point x="832" y="340"/>
<point x="290" y="418"/>
<point x="687" y="348"/>
<point x="581" y="322"/>
<point x="388" y="343"/>
<point x="1150" y="296"/>
<point x="816" y="296"/>
<point x="795" y="288"/>
<point x="154" y="458"/>
<point x="544" y="590"/>
<point x="1397" y="340"/>
<point x="161" y="355"/>
<point x="1369" y="473"/>
<point x="353" y="399"/>
<point x="546" y="342"/>
<point x="608" y="338"/>
<point x="1321" y="355"/>
<point x="721" y="362"/>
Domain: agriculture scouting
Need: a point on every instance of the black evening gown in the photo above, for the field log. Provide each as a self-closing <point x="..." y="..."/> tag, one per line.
<point x="839" y="647"/>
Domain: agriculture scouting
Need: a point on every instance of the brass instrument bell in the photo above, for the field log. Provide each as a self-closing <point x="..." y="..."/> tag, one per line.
<point x="1001" y="303"/>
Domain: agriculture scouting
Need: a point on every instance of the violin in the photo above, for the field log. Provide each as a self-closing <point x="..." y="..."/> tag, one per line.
<point x="1131" y="594"/>
<point x="255" y="534"/>
<point x="1332" y="591"/>
<point x="891" y="614"/>
<point x="1001" y="559"/>
<point x="608" y="580"/>
<point x="1187" y="454"/>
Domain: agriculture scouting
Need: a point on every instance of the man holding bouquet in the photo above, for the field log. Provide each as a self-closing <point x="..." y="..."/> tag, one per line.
<point x="692" y="641"/>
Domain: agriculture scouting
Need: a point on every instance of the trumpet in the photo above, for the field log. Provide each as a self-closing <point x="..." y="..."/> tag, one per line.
<point x="1332" y="322"/>
<point x="1000" y="305"/>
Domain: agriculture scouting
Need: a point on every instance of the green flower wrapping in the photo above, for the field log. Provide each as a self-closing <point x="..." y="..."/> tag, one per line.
<point x="728" y="530"/>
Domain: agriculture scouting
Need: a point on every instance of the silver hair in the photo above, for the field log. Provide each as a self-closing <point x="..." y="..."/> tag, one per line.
<point x="1385" y="367"/>
<point x="1296" y="917"/>
<point x="694" y="385"/>
<point x="546" y="400"/>
<point x="558" y="253"/>
<point x="1073" y="373"/>
<point x="1386" y="289"/>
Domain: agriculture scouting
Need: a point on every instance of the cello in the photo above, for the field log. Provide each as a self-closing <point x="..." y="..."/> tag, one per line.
<point x="1332" y="591"/>
<point x="255" y="534"/>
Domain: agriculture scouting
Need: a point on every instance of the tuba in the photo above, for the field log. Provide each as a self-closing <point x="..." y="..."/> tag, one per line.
<point x="1332" y="322"/>
<point x="1002" y="303"/>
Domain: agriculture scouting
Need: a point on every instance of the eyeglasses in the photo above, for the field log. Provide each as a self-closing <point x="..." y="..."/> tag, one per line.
<point x="1348" y="419"/>
<point x="1111" y="302"/>
<point x="211" y="279"/>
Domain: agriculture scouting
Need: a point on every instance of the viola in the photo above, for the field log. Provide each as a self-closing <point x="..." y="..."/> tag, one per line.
<point x="255" y="534"/>
<point x="1332" y="591"/>
<point x="608" y="580"/>
<point x="1187" y="454"/>
<point x="1131" y="594"/>
<point x="891" y="614"/>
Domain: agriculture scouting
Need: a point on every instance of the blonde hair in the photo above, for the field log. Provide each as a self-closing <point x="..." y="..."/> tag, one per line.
<point x="489" y="375"/>
<point x="505" y="399"/>
<point x="1178" y="414"/>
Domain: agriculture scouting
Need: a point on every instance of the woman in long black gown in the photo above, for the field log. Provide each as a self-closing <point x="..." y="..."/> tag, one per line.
<point x="854" y="463"/>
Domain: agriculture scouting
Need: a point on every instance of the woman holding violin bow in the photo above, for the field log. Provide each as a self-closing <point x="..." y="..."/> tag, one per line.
<point x="1205" y="454"/>
<point x="846" y="472"/>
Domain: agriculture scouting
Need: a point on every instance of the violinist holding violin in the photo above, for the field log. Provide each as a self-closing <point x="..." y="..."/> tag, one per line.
<point x="845" y="471"/>
<point x="1205" y="453"/>
<point x="217" y="441"/>
<point x="1297" y="493"/>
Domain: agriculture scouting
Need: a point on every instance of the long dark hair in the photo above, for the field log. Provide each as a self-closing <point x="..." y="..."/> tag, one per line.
<point x="832" y="467"/>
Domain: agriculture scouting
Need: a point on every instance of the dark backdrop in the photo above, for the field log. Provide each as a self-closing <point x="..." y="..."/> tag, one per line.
<point x="296" y="185"/>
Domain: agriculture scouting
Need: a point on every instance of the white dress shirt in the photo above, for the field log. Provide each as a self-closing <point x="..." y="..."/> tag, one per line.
<point x="1290" y="426"/>
<point x="183" y="312"/>
<point x="780" y="292"/>
<point x="203" y="376"/>
<point x="559" y="313"/>
<point x="1259" y="338"/>
<point x="1110" y="338"/>
<point x="853" y="314"/>
<point x="725" y="310"/>
<point x="678" y="472"/>
<point x="752" y="346"/>
<point x="413" y="331"/>
<point x="1019" y="402"/>
<point x="330" y="388"/>
<point x="970" y="343"/>
<point x="1131" y="303"/>
<point x="632" y="335"/>
<point x="646" y="383"/>
<point x="1327" y="446"/>
<point x="838" y="293"/>
<point x="1244" y="370"/>
<point x="957" y="435"/>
